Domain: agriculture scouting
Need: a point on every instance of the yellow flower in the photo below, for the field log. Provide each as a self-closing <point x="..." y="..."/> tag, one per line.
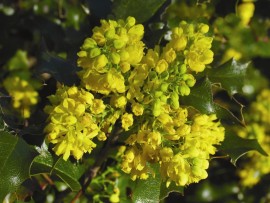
<point x="199" y="54"/>
<point x="118" y="101"/>
<point x="161" y="66"/>
<point x="151" y="58"/>
<point x="127" y="121"/>
<point x="113" y="43"/>
<point x="97" y="107"/>
<point x="71" y="123"/>
<point x="137" y="109"/>
<point x="112" y="81"/>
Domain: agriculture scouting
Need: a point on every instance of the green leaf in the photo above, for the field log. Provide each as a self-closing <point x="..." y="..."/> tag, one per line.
<point x="200" y="97"/>
<point x="153" y="189"/>
<point x="142" y="10"/>
<point x="63" y="71"/>
<point x="230" y="76"/>
<point x="236" y="146"/>
<point x="228" y="116"/>
<point x="66" y="170"/>
<point x="147" y="191"/>
<point x="100" y="9"/>
<point x="16" y="157"/>
<point x="165" y="191"/>
<point x="125" y="185"/>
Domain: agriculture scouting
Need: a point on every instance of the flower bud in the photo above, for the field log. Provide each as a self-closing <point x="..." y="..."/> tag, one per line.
<point x="183" y="69"/>
<point x="161" y="66"/>
<point x="115" y="58"/>
<point x="89" y="43"/>
<point x="130" y="21"/>
<point x="94" y="52"/>
<point x="110" y="34"/>
<point x="174" y="100"/>
<point x="157" y="108"/>
<point x="118" y="43"/>
<point x="164" y="87"/>
<point x="158" y="94"/>
<point x="82" y="54"/>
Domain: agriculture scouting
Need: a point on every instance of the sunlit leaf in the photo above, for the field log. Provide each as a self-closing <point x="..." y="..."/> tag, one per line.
<point x="147" y="191"/>
<point x="230" y="76"/>
<point x="69" y="172"/>
<point x="153" y="189"/>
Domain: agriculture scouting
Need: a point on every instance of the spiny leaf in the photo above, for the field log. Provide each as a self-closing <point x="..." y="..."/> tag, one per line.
<point x="226" y="115"/>
<point x="124" y="8"/>
<point x="200" y="97"/>
<point x="16" y="157"/>
<point x="230" y="76"/>
<point x="236" y="146"/>
<point x="66" y="170"/>
<point x="231" y="116"/>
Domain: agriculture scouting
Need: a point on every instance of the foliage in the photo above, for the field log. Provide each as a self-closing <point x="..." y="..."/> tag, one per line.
<point x="134" y="101"/>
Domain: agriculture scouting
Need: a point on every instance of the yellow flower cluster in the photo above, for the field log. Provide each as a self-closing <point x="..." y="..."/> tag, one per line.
<point x="20" y="85"/>
<point x="73" y="121"/>
<point x="180" y="146"/>
<point x="198" y="54"/>
<point x="133" y="87"/>
<point x="114" y="47"/>
<point x="258" y="128"/>
<point x="161" y="76"/>
<point x="23" y="94"/>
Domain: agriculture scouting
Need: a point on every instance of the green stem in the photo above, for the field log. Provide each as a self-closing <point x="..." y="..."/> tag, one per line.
<point x="93" y="170"/>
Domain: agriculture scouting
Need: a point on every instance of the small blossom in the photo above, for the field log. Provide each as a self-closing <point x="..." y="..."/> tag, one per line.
<point x="127" y="121"/>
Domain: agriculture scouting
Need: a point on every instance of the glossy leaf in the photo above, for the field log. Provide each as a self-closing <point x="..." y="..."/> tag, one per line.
<point x="100" y="9"/>
<point x="236" y="146"/>
<point x="147" y="191"/>
<point x="228" y="116"/>
<point x="63" y="71"/>
<point x="16" y="157"/>
<point x="200" y="97"/>
<point x="153" y="189"/>
<point x="165" y="191"/>
<point x="230" y="76"/>
<point x="124" y="8"/>
<point x="66" y="170"/>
